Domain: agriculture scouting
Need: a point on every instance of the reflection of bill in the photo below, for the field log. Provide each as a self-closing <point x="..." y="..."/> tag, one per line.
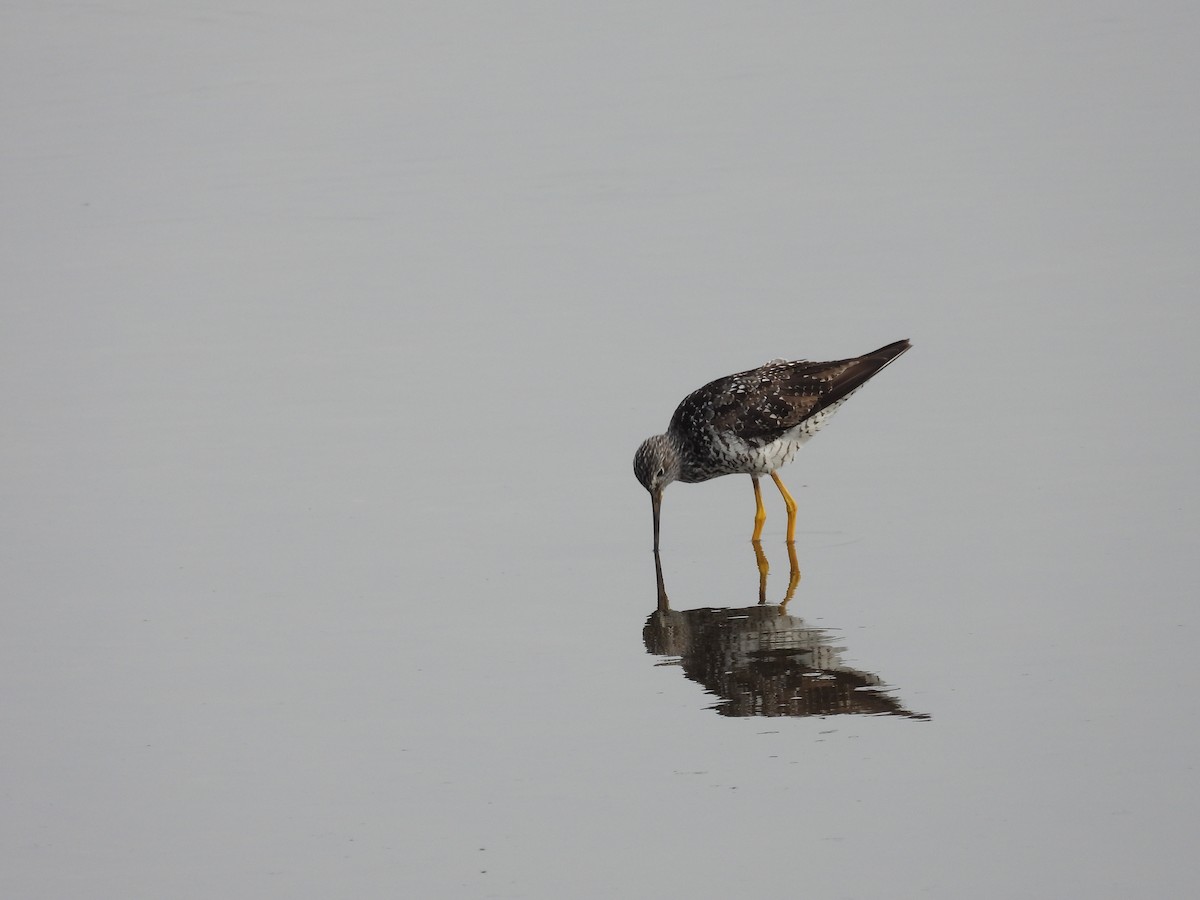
<point x="761" y="661"/>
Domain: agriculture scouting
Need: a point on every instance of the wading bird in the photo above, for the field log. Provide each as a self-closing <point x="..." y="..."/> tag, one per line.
<point x="752" y="422"/>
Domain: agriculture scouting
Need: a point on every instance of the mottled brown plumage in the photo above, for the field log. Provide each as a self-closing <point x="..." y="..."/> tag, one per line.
<point x="753" y="422"/>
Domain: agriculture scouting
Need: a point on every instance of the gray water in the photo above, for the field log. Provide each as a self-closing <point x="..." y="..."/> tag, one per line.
<point x="330" y="329"/>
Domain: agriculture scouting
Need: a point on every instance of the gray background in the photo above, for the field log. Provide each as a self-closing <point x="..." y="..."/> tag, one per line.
<point x="329" y="330"/>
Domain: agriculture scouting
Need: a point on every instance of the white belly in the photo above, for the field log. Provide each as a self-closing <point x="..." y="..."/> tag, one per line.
<point x="769" y="457"/>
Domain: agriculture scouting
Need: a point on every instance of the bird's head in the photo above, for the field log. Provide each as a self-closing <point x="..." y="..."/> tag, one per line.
<point x="656" y="464"/>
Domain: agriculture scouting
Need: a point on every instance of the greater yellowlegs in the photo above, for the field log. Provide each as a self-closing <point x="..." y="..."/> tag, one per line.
<point x="752" y="422"/>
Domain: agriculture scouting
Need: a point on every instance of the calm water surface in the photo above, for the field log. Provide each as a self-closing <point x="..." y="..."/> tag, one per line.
<point x="331" y="332"/>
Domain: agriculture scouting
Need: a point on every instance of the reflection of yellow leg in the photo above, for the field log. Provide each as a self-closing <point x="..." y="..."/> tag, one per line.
<point x="788" y="502"/>
<point x="760" y="511"/>
<point x="763" y="568"/>
<point x="794" y="575"/>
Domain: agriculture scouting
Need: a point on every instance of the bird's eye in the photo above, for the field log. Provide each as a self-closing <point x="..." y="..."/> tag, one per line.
<point x="662" y="472"/>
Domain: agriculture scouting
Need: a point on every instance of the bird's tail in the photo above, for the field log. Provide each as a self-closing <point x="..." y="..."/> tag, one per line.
<point x="862" y="369"/>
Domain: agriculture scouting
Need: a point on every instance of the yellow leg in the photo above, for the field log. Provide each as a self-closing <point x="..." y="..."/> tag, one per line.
<point x="760" y="511"/>
<point x="788" y="502"/>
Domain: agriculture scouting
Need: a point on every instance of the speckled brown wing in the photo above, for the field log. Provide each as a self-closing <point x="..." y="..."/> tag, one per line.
<point x="762" y="404"/>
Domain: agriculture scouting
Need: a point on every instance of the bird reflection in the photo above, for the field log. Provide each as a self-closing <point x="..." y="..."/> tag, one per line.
<point x="760" y="660"/>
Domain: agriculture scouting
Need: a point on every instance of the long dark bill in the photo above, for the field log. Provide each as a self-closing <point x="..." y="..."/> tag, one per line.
<point x="656" y="506"/>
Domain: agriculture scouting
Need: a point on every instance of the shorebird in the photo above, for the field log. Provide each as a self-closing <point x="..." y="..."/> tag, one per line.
<point x="752" y="422"/>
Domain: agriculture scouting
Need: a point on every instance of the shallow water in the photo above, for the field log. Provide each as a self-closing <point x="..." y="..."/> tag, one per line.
<point x="331" y="332"/>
